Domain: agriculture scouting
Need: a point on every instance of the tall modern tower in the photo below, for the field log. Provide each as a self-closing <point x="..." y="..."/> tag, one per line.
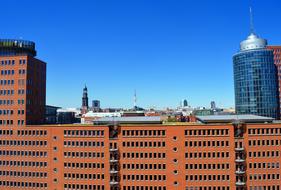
<point x="255" y="78"/>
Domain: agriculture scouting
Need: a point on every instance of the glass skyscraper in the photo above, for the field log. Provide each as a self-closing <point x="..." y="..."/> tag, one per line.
<point x="255" y="79"/>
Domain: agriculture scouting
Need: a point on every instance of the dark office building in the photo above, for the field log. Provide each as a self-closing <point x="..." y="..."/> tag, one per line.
<point x="51" y="114"/>
<point x="96" y="106"/>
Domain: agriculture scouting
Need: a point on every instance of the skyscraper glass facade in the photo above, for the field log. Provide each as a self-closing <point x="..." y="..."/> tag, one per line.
<point x="255" y="81"/>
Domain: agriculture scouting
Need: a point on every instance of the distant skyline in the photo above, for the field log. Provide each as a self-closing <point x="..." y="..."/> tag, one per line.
<point x="166" y="50"/>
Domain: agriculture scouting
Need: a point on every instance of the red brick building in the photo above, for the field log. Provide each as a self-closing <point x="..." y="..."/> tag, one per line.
<point x="22" y="84"/>
<point x="190" y="156"/>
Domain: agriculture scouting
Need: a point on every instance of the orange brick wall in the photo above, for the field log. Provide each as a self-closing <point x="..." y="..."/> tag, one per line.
<point x="172" y="141"/>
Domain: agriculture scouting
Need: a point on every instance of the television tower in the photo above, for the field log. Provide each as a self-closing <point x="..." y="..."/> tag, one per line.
<point x="135" y="99"/>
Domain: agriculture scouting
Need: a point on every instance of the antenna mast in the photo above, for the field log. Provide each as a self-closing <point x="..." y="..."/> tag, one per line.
<point x="252" y="28"/>
<point x="135" y="99"/>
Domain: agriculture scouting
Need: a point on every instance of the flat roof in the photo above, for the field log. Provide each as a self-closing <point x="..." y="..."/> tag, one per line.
<point x="234" y="118"/>
<point x="129" y="120"/>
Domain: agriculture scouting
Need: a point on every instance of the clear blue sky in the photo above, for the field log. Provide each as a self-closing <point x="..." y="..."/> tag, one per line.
<point x="165" y="49"/>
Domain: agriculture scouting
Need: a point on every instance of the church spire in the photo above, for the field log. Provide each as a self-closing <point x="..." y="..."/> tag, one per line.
<point x="85" y="101"/>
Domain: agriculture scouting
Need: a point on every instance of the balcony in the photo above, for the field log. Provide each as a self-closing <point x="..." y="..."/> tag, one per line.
<point x="113" y="160"/>
<point x="240" y="160"/>
<point x="239" y="149"/>
<point x="240" y="183"/>
<point x="113" y="149"/>
<point x="113" y="171"/>
<point x="239" y="172"/>
<point x="113" y="183"/>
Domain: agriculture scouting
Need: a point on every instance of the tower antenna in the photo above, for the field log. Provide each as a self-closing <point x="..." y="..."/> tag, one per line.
<point x="252" y="28"/>
<point x="135" y="99"/>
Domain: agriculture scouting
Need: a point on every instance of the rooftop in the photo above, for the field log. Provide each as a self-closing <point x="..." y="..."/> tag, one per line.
<point x="17" y="47"/>
<point x="234" y="118"/>
<point x="129" y="120"/>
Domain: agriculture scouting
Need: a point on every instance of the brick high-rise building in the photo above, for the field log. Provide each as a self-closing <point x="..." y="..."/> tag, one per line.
<point x="22" y="84"/>
<point x="277" y="62"/>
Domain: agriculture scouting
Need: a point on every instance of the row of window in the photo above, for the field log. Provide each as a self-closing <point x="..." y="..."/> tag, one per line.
<point x="7" y="72"/>
<point x="207" y="188"/>
<point x="196" y="155"/>
<point x="264" y="142"/>
<point x="20" y="101"/>
<point x="264" y="176"/>
<point x="11" y="122"/>
<point x="206" y="132"/>
<point x="23" y="163"/>
<point x="23" y="174"/>
<point x="22" y="61"/>
<point x="144" y="177"/>
<point x="83" y="187"/>
<point x="21" y="71"/>
<point x="274" y="187"/>
<point x="12" y="62"/>
<point x="21" y="82"/>
<point x="20" y="122"/>
<point x="144" y="133"/>
<point x="31" y="133"/>
<point x="264" y="154"/>
<point x="23" y="184"/>
<point x="7" y="82"/>
<point x="263" y="165"/>
<point x="84" y="133"/>
<point x="84" y="154"/>
<point x="80" y="176"/>
<point x="144" y="155"/>
<point x="83" y="143"/>
<point x="20" y="112"/>
<point x="207" y="177"/>
<point x="144" y="187"/>
<point x="20" y="91"/>
<point x="83" y="165"/>
<point x="6" y="132"/>
<point x="6" y="122"/>
<point x="207" y="166"/>
<point x="7" y="62"/>
<point x="6" y="112"/>
<point x="272" y="131"/>
<point x="7" y="92"/>
<point x="206" y="143"/>
<point x="22" y="143"/>
<point x="155" y="144"/>
<point x="23" y="153"/>
<point x="144" y="166"/>
<point x="6" y="102"/>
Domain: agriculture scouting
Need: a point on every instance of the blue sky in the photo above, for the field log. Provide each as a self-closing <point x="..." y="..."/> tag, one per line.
<point x="165" y="49"/>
